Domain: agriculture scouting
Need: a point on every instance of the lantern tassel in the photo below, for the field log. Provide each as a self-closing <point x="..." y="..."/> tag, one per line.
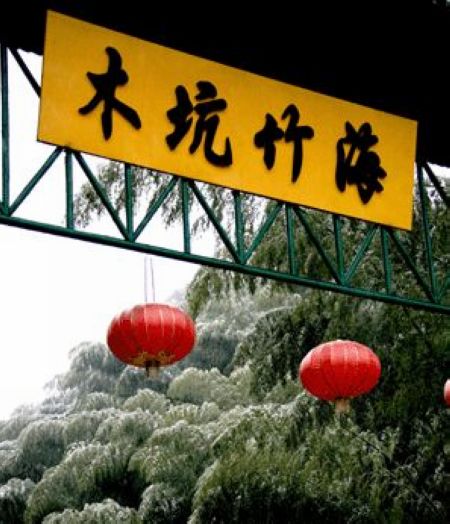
<point x="342" y="405"/>
<point x="152" y="369"/>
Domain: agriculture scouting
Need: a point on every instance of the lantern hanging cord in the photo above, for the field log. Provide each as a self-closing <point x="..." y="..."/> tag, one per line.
<point x="152" y="276"/>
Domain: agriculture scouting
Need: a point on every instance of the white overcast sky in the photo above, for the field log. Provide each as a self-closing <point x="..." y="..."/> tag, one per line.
<point x="56" y="292"/>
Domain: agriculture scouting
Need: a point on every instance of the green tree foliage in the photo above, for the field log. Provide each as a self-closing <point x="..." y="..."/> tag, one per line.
<point x="308" y="484"/>
<point x="158" y="458"/>
<point x="41" y="446"/>
<point x="198" y="386"/>
<point x="225" y="316"/>
<point x="88" y="473"/>
<point x="13" y="498"/>
<point x="105" y="512"/>
<point x="21" y="417"/>
<point x="229" y="435"/>
<point x="148" y="186"/>
<point x="162" y="504"/>
<point x="174" y="456"/>
<point x="82" y="427"/>
<point x="147" y="400"/>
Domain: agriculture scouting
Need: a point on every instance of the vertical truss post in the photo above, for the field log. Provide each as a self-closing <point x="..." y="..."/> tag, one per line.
<point x="293" y="267"/>
<point x="239" y="225"/>
<point x="68" y="162"/>
<point x="5" y="128"/>
<point x="185" y="211"/>
<point x="129" y="200"/>
<point x="386" y="261"/>
<point x="339" y="247"/>
<point x="426" y="229"/>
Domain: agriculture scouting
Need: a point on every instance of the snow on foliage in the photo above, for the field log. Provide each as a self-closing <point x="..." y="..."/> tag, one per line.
<point x="13" y="498"/>
<point x="42" y="446"/>
<point x="94" y="402"/>
<point x="105" y="512"/>
<point x="240" y="442"/>
<point x="84" y="475"/>
<point x="147" y="400"/>
<point x="128" y="429"/>
<point x="192" y="413"/>
<point x="198" y="386"/>
<point x="83" y="426"/>
<point x="162" y="504"/>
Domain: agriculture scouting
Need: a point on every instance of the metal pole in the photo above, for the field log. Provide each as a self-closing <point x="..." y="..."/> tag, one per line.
<point x="69" y="189"/>
<point x="239" y="225"/>
<point x="129" y="197"/>
<point x="338" y="242"/>
<point x="5" y="128"/>
<point x="185" y="211"/>
<point x="293" y="269"/>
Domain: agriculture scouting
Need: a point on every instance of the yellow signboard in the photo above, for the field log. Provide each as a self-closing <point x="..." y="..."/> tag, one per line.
<point x="126" y="99"/>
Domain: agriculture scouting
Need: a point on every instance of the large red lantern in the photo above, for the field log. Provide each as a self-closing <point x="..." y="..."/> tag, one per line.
<point x="340" y="370"/>
<point x="447" y="392"/>
<point x="151" y="335"/>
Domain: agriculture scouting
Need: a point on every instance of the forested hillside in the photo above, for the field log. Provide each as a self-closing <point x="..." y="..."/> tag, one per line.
<point x="228" y="434"/>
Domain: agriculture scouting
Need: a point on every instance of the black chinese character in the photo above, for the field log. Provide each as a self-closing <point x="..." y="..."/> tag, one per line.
<point x="364" y="171"/>
<point x="206" y="124"/>
<point x="105" y="86"/>
<point x="266" y="137"/>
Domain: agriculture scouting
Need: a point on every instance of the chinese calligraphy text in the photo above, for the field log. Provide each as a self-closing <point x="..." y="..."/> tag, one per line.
<point x="219" y="125"/>
<point x="364" y="171"/>
<point x="207" y="122"/>
<point x="266" y="137"/>
<point x="105" y="86"/>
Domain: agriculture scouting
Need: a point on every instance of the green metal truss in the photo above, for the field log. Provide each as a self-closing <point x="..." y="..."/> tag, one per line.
<point x="429" y="292"/>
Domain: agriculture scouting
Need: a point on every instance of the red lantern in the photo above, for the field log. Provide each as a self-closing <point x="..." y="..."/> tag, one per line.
<point x="447" y="392"/>
<point x="340" y="370"/>
<point x="151" y="335"/>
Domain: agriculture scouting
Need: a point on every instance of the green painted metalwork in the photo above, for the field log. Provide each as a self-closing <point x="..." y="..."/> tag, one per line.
<point x="5" y="129"/>
<point x="387" y="268"/>
<point x="436" y="183"/>
<point x="215" y="221"/>
<point x="34" y="181"/>
<point x="317" y="243"/>
<point x="185" y="211"/>
<point x="411" y="265"/>
<point x="338" y="242"/>
<point x="263" y="230"/>
<point x="101" y="194"/>
<point x="129" y="199"/>
<point x="70" y="224"/>
<point x="239" y="253"/>
<point x="293" y="265"/>
<point x="36" y="87"/>
<point x="363" y="247"/>
<point x="426" y="229"/>
<point x="155" y="205"/>
<point x="239" y="225"/>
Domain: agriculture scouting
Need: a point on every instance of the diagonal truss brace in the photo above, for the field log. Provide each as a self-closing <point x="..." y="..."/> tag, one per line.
<point x="239" y="250"/>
